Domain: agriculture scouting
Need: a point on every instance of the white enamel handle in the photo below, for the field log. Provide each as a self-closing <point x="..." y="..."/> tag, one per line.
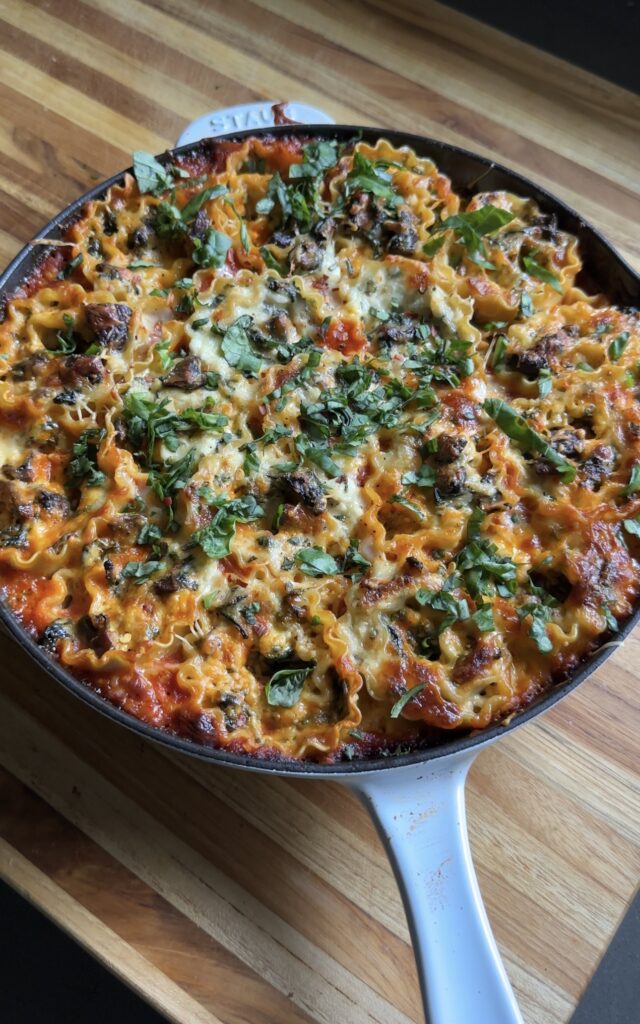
<point x="420" y="815"/>
<point x="248" y="115"/>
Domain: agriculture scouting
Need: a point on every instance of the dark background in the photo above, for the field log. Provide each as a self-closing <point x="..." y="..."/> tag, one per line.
<point x="45" y="977"/>
<point x="602" y="36"/>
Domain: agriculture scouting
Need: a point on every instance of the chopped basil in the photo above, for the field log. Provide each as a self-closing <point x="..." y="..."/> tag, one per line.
<point x="535" y="269"/>
<point x="431" y="247"/>
<point x="236" y="347"/>
<point x="527" y="307"/>
<point x="72" y="265"/>
<point x="632" y="526"/>
<point x="149" y="533"/>
<point x="191" y="208"/>
<point x="517" y="428"/>
<point x="149" y="173"/>
<point x="142" y="264"/>
<point x="367" y="176"/>
<point x="610" y="619"/>
<point x="495" y="360"/>
<point x="618" y="345"/>
<point x="399" y="499"/>
<point x="285" y="686"/>
<point x="140" y="571"/>
<point x="634" y="481"/>
<point x="212" y="251"/>
<point x="82" y="468"/>
<point x="270" y="260"/>
<point x="455" y="609"/>
<point x="316" y="562"/>
<point x="545" y="382"/>
<point x="471" y="228"/>
<point x="483" y="618"/>
<point x="402" y="702"/>
<point x="215" y="538"/>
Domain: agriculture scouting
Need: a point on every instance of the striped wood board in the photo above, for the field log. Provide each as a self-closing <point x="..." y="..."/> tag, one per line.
<point x="225" y="897"/>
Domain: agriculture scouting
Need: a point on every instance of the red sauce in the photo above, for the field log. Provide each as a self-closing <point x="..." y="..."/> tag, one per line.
<point x="344" y="336"/>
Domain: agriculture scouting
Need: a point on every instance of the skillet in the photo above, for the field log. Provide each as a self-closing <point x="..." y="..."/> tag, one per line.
<point x="416" y="798"/>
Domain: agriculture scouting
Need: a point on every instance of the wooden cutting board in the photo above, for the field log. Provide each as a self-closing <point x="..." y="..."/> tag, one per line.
<point x="226" y="897"/>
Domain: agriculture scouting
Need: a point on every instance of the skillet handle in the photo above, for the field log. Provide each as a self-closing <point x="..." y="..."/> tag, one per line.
<point x="419" y="812"/>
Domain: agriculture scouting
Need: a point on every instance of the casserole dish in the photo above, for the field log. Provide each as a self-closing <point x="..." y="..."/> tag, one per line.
<point x="415" y="797"/>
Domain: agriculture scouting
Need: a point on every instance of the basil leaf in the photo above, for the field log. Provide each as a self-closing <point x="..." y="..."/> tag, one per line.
<point x="517" y="428"/>
<point x="472" y="227"/>
<point x="399" y="499"/>
<point x="402" y="702"/>
<point x="618" y="345"/>
<point x="191" y="208"/>
<point x="318" y="453"/>
<point x="212" y="252"/>
<point x="545" y="382"/>
<point x="634" y="481"/>
<point x="236" y="347"/>
<point x="496" y="354"/>
<point x="632" y="526"/>
<point x="140" y="571"/>
<point x="431" y="247"/>
<point x="82" y="468"/>
<point x="149" y="173"/>
<point x="318" y="158"/>
<point x="142" y="264"/>
<point x="483" y="618"/>
<point x="535" y="269"/>
<point x="610" y="619"/>
<point x="316" y="562"/>
<point x="270" y="260"/>
<point x="527" y="307"/>
<point x="285" y="686"/>
<point x="72" y="265"/>
<point x="215" y="538"/>
<point x="365" y="176"/>
<point x="149" y="533"/>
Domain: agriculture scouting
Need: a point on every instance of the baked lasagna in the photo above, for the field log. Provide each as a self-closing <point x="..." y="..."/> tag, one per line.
<point x="306" y="455"/>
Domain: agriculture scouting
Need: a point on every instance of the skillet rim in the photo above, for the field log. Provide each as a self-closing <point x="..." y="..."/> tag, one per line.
<point x="627" y="285"/>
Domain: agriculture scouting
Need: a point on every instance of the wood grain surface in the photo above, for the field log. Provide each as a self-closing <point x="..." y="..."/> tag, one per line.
<point x="225" y="897"/>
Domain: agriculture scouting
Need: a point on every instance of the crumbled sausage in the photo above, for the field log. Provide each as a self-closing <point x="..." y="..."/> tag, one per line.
<point x="305" y="255"/>
<point x="139" y="237"/>
<point x="451" y="480"/>
<point x="52" y="501"/>
<point x="306" y="488"/>
<point x="597" y="466"/>
<point x="77" y="369"/>
<point x="174" y="581"/>
<point x="187" y="373"/>
<point x="22" y="472"/>
<point x="93" y="631"/>
<point x="450" y="447"/>
<point x="403" y="237"/>
<point x="109" y="321"/>
<point x="532" y="360"/>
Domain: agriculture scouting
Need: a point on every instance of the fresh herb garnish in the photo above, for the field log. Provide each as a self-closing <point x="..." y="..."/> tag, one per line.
<point x="285" y="686"/>
<point x="517" y="428"/>
<point x="212" y="250"/>
<point x="149" y="173"/>
<point x="82" y="468"/>
<point x="535" y="269"/>
<point x="140" y="571"/>
<point x="618" y="345"/>
<point x="236" y="347"/>
<point x="433" y="246"/>
<point x="402" y="702"/>
<point x="634" y="481"/>
<point x="215" y="538"/>
<point x="471" y="229"/>
<point x="316" y="562"/>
